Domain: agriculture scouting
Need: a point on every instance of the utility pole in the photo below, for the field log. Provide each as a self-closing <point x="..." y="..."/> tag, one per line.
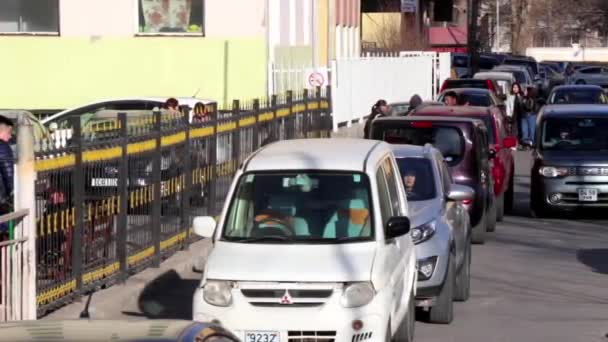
<point x="497" y="26"/>
<point x="473" y="13"/>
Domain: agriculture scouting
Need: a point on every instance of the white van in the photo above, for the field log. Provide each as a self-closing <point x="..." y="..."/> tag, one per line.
<point x="313" y="244"/>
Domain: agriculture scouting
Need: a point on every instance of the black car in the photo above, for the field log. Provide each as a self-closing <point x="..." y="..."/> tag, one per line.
<point x="578" y="94"/>
<point x="464" y="145"/>
<point x="570" y="168"/>
<point x="525" y="61"/>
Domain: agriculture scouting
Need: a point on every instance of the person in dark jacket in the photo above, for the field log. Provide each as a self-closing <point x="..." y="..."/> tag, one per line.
<point x="415" y="102"/>
<point x="7" y="163"/>
<point x="378" y="110"/>
<point x="518" y="109"/>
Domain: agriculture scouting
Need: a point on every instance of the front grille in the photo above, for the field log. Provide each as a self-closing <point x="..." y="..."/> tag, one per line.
<point x="588" y="171"/>
<point x="362" y="337"/>
<point x="286" y="295"/>
<point x="311" y="336"/>
<point x="572" y="198"/>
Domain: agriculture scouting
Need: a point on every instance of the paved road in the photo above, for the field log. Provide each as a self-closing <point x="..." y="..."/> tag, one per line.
<point x="534" y="280"/>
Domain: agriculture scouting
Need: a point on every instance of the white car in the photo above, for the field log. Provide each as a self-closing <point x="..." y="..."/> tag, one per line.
<point x="313" y="243"/>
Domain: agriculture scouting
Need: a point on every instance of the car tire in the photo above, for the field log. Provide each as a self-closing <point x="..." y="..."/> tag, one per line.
<point x="463" y="280"/>
<point x="500" y="208"/>
<point x="443" y="310"/>
<point x="478" y="234"/>
<point x="405" y="332"/>
<point x="509" y="196"/>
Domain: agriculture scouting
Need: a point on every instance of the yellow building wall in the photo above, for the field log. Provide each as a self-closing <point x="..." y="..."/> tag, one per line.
<point x="323" y="32"/>
<point x="380" y="27"/>
<point x="57" y="73"/>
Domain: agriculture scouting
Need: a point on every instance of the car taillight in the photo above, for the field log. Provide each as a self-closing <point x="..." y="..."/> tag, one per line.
<point x="467" y="201"/>
<point x="490" y="85"/>
<point x="422" y="124"/>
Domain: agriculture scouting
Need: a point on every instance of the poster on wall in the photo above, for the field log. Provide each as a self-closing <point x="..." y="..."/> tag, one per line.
<point x="409" y="6"/>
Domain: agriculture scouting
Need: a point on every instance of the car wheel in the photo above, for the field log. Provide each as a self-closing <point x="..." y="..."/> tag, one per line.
<point x="509" y="196"/>
<point x="405" y="333"/>
<point x="500" y="208"/>
<point x="443" y="310"/>
<point x="463" y="281"/>
<point x="478" y="235"/>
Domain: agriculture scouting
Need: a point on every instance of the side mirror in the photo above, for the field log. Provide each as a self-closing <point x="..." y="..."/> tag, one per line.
<point x="509" y="142"/>
<point x="204" y="226"/>
<point x="397" y="226"/>
<point x="460" y="193"/>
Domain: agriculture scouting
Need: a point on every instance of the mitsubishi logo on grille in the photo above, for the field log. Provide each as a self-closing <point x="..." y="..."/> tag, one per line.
<point x="286" y="299"/>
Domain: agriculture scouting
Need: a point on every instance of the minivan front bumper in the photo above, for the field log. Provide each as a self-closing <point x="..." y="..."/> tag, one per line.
<point x="563" y="193"/>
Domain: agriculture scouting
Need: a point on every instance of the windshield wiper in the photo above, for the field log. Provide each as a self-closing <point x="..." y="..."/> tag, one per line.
<point x="261" y="239"/>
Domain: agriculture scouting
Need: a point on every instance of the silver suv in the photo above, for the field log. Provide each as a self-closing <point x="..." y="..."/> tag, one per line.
<point x="441" y="230"/>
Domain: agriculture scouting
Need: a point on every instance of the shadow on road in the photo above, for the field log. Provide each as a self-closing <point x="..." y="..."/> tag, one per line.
<point x="596" y="259"/>
<point x="167" y="297"/>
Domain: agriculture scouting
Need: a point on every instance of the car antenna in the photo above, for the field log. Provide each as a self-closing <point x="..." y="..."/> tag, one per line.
<point x="85" y="312"/>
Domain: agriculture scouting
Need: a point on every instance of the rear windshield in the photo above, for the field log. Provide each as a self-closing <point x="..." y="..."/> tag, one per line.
<point x="473" y="99"/>
<point x="573" y="96"/>
<point x="448" y="140"/>
<point x="451" y="84"/>
<point x="575" y="134"/>
<point x="418" y="180"/>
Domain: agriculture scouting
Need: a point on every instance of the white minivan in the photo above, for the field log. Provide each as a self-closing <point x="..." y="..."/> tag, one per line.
<point x="313" y="244"/>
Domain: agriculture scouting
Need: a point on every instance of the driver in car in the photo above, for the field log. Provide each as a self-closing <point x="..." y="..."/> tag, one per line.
<point x="409" y="180"/>
<point x="565" y="137"/>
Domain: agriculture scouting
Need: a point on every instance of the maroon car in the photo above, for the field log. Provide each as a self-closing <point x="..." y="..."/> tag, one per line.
<point x="503" y="166"/>
<point x="464" y="145"/>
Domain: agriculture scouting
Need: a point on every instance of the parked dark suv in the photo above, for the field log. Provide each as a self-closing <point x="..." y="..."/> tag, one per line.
<point x="570" y="168"/>
<point x="464" y="145"/>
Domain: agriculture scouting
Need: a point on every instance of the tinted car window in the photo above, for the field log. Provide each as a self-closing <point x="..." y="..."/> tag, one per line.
<point x="488" y="121"/>
<point x="574" y="96"/>
<point x="487" y="63"/>
<point x="574" y="134"/>
<point x="590" y="71"/>
<point x="455" y="84"/>
<point x="417" y="175"/>
<point x="448" y="140"/>
<point x="473" y="99"/>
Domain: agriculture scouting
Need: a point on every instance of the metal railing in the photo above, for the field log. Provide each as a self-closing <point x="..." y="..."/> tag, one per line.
<point x="16" y="269"/>
<point x="117" y="195"/>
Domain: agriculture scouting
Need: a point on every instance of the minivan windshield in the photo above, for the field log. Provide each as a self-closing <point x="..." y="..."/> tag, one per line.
<point x="446" y="139"/>
<point x="300" y="207"/>
<point x="575" y="134"/>
<point x="578" y="96"/>
<point x="418" y="181"/>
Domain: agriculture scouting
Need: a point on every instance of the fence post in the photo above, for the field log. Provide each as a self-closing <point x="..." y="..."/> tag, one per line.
<point x="187" y="178"/>
<point x="287" y="126"/>
<point x="306" y="115"/>
<point x="123" y="198"/>
<point x="26" y="199"/>
<point x="256" y="126"/>
<point x="329" y="113"/>
<point x="212" y="165"/>
<point x="275" y="124"/>
<point x="317" y="116"/>
<point x="157" y="180"/>
<point x="79" y="203"/>
<point x="236" y="143"/>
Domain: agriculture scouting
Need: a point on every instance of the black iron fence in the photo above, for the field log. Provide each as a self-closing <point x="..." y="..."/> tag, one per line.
<point x="118" y="193"/>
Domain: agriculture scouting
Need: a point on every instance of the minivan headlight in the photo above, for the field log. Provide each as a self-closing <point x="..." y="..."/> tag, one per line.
<point x="423" y="232"/>
<point x="357" y="294"/>
<point x="553" y="172"/>
<point x="218" y="293"/>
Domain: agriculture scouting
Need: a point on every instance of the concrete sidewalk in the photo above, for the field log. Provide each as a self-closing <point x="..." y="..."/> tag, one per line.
<point x="139" y="297"/>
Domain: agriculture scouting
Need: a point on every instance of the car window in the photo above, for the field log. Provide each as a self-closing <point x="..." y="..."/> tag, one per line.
<point x="574" y="134"/>
<point x="448" y="140"/>
<point x="417" y="176"/>
<point x="386" y="208"/>
<point x="575" y="96"/>
<point x="590" y="71"/>
<point x="300" y="207"/>
<point x="391" y="180"/>
<point x="488" y="120"/>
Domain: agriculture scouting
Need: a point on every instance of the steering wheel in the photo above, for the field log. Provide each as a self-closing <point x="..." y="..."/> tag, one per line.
<point x="280" y="223"/>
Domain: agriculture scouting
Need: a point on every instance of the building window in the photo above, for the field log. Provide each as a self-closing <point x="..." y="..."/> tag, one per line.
<point x="29" y="16"/>
<point x="171" y="17"/>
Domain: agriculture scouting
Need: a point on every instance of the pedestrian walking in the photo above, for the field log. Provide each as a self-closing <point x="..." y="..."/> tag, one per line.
<point x="528" y="118"/>
<point x="380" y="109"/>
<point x="518" y="102"/>
<point x="7" y="164"/>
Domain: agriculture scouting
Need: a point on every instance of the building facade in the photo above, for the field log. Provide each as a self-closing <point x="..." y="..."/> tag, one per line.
<point x="61" y="53"/>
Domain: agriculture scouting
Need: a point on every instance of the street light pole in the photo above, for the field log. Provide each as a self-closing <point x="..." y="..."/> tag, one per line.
<point x="497" y="26"/>
<point x="472" y="12"/>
